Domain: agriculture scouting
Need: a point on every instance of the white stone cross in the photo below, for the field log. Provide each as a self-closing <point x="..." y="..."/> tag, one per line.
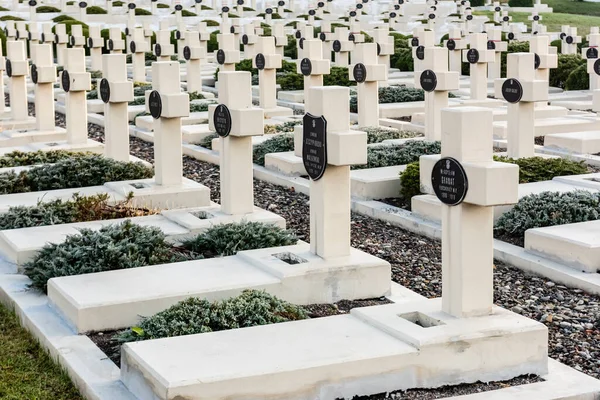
<point x="544" y="60"/>
<point x="75" y="81"/>
<point x="225" y="23"/>
<point x="591" y="54"/>
<point x="33" y="10"/>
<point x="249" y="40"/>
<point x="203" y="34"/>
<point x="180" y="37"/>
<point x="194" y="53"/>
<point x="82" y="11"/>
<point x="467" y="227"/>
<point x="167" y="105"/>
<point x="34" y="38"/>
<point x="138" y="48"/>
<point x="115" y="43"/>
<point x="10" y="30"/>
<point x="116" y="91"/>
<point x="313" y="66"/>
<point x="478" y="56"/>
<point x="198" y="6"/>
<point x="497" y="11"/>
<point x="17" y="71"/>
<point x="178" y="8"/>
<point x="95" y="44"/>
<point x="430" y="16"/>
<point x="330" y="195"/>
<point x="355" y="35"/>
<point x="436" y="80"/>
<point x="421" y="41"/>
<point x="163" y="49"/>
<point x="43" y="75"/>
<point x="570" y="41"/>
<point x="505" y="21"/>
<point x="367" y="73"/>
<point x="236" y="122"/>
<point x="514" y="32"/>
<point x="455" y="45"/>
<point x="385" y="45"/>
<point x="495" y="42"/>
<point x="521" y="89"/>
<point x="304" y="32"/>
<point x="342" y="46"/>
<point x="130" y="24"/>
<point x="228" y="54"/>
<point x="267" y="61"/>
<point x="148" y="31"/>
<point x="326" y="36"/>
<point x="281" y="39"/>
<point x="77" y="40"/>
<point x="535" y="19"/>
<point x="22" y="31"/>
<point x="47" y="37"/>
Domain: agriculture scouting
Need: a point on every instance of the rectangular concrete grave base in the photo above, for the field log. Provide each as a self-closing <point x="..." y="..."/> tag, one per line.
<point x="372" y="350"/>
<point x="549" y="126"/>
<point x="278" y="112"/>
<point x="19" y="137"/>
<point x="10" y="124"/>
<point x="195" y="118"/>
<point x="90" y="146"/>
<point x="578" y="142"/>
<point x="376" y="183"/>
<point x="195" y="133"/>
<point x="117" y="299"/>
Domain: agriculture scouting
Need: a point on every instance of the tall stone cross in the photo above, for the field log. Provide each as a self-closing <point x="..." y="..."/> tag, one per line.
<point x="33" y="36"/>
<point x="469" y="184"/>
<point x="356" y="36"/>
<point x="194" y="53"/>
<point x="203" y="34"/>
<point x="178" y="8"/>
<point x="342" y="46"/>
<point x="468" y="21"/>
<point x="228" y="54"/>
<point x="47" y="37"/>
<point x="505" y="21"/>
<point x="167" y="105"/>
<point x="478" y="56"/>
<point x="430" y="16"/>
<point x="75" y="81"/>
<point x="436" y="80"/>
<point x="180" y="38"/>
<point x="225" y="22"/>
<point x="367" y="73"/>
<point x="544" y="60"/>
<point x="385" y="45"/>
<point x="22" y="31"/>
<point x="83" y="11"/>
<point x="43" y="76"/>
<point x="130" y="24"/>
<point x="249" y="40"/>
<point x="313" y="66"/>
<point x="61" y="39"/>
<point x="148" y="31"/>
<point x="267" y="61"/>
<point x="138" y="48"/>
<point x="95" y="44"/>
<point x="535" y="19"/>
<point x="235" y="120"/>
<point x="17" y="71"/>
<point x="326" y="36"/>
<point x="455" y="45"/>
<point x="591" y="54"/>
<point x="514" y="32"/>
<point x="77" y="40"/>
<point x="33" y="10"/>
<point x="420" y="41"/>
<point x="328" y="149"/>
<point x="163" y="49"/>
<point x="497" y="12"/>
<point x="281" y="39"/>
<point x="304" y="32"/>
<point x="116" y="91"/>
<point x="269" y="15"/>
<point x="521" y="90"/>
<point x="115" y="43"/>
<point x="495" y="43"/>
<point x="569" y="40"/>
<point x="10" y="30"/>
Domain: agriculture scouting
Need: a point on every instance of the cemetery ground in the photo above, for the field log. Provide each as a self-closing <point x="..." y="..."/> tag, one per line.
<point x="555" y="20"/>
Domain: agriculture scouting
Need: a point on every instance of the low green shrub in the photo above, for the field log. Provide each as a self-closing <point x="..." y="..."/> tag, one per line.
<point x="273" y="16"/>
<point x="520" y="3"/>
<point x="548" y="209"/>
<point x="3" y="9"/>
<point x="206" y="141"/>
<point x="227" y="239"/>
<point x="276" y="144"/>
<point x="338" y="77"/>
<point x="196" y="96"/>
<point x="286" y="127"/>
<point x="95" y="10"/>
<point x="202" y="107"/>
<point x="194" y="315"/>
<point x="379" y="134"/>
<point x="162" y="5"/>
<point x="290" y="81"/>
<point x="401" y="154"/>
<point x="11" y="18"/>
<point x="211" y="23"/>
<point x="410" y="182"/>
<point x="579" y="79"/>
<point x="141" y="11"/>
<point x="89" y="170"/>
<point x="20" y="158"/>
<point x="537" y="169"/>
<point x="62" y="18"/>
<point x="187" y="13"/>
<point x="119" y="246"/>
<point x="393" y="94"/>
<point x="141" y="90"/>
<point x="567" y="63"/>
<point x="477" y="3"/>
<point x="137" y="101"/>
<point x="46" y="9"/>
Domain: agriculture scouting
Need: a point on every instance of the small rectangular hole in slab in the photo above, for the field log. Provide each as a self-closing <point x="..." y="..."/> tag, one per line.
<point x="51" y="144"/>
<point x="290" y="258"/>
<point x="202" y="215"/>
<point x="421" y="319"/>
<point x="139" y="185"/>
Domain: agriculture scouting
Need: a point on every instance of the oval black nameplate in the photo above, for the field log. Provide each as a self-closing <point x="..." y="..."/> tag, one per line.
<point x="569" y="39"/>
<point x="597" y="66"/>
<point x="232" y="29"/>
<point x="111" y="45"/>
<point x="359" y="6"/>
<point x="43" y="38"/>
<point x="337" y="46"/>
<point x="497" y="9"/>
<point x="322" y="36"/>
<point x="155" y="104"/>
<point x="312" y="12"/>
<point x="104" y="90"/>
<point x="222" y="120"/>
<point x="352" y="14"/>
<point x="244" y="39"/>
<point x="82" y="4"/>
<point x="72" y="40"/>
<point x="269" y="11"/>
<point x="351" y="38"/>
<point x="32" y="3"/>
<point x="314" y="146"/>
<point x="157" y="50"/>
<point x="428" y="80"/>
<point x="536" y="61"/>
<point x="420" y="52"/>
<point x="281" y="3"/>
<point x="562" y="35"/>
<point x="306" y="66"/>
<point x="536" y="17"/>
<point x="260" y="61"/>
<point x="178" y="7"/>
<point x="320" y="4"/>
<point x="8" y="67"/>
<point x="378" y="49"/>
<point x="240" y="2"/>
<point x="298" y="34"/>
<point x="511" y="36"/>
<point x="505" y="19"/>
<point x="225" y="9"/>
<point x="132" y="46"/>
<point x="591" y="52"/>
<point x="449" y="181"/>
<point x="451" y="44"/>
<point x="34" y="74"/>
<point x="393" y="15"/>
<point x="301" y="43"/>
<point x="414" y="42"/>
<point x="512" y="91"/>
<point x="221" y="56"/>
<point x="90" y="42"/>
<point x="187" y="53"/>
<point x="473" y="56"/>
<point x="431" y="16"/>
<point x="65" y="80"/>
<point x="360" y="73"/>
<point x="131" y="6"/>
<point x="469" y="17"/>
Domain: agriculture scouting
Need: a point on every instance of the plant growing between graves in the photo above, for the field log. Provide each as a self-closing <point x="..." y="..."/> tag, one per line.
<point x="187" y="13"/>
<point x="11" y="18"/>
<point x="20" y="158"/>
<point x="62" y="18"/>
<point x="89" y="170"/>
<point x="194" y="315"/>
<point x="548" y="209"/>
<point x="77" y="209"/>
<point x="286" y="127"/>
<point x="537" y="169"/>
<point x="410" y="182"/>
<point x="95" y="10"/>
<point x="162" y="5"/>
<point x="379" y="134"/>
<point x="389" y="155"/>
<point x="141" y="11"/>
<point x="46" y="9"/>
<point x="579" y="79"/>
<point x="127" y="245"/>
<point x="567" y="64"/>
<point x="276" y="144"/>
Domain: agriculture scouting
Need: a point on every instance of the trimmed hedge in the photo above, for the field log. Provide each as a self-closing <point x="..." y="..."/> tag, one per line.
<point x="537" y="169"/>
<point x="46" y="9"/>
<point x="20" y="158"/>
<point x="389" y="155"/>
<point x="520" y="3"/>
<point x="95" y="10"/>
<point x="276" y="144"/>
<point x="141" y="11"/>
<point x="410" y="181"/>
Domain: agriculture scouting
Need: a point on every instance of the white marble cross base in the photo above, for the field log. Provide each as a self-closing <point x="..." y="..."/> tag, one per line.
<point x="145" y="291"/>
<point x="373" y="350"/>
<point x="278" y="112"/>
<point x="10" y="124"/>
<point x="30" y="138"/>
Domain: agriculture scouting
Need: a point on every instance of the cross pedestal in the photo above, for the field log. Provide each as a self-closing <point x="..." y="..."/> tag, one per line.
<point x="521" y="89"/>
<point x="138" y="48"/>
<point x="469" y="184"/>
<point x="75" y="81"/>
<point x="167" y="105"/>
<point x="478" y="56"/>
<point x="116" y="91"/>
<point x="236" y="121"/>
<point x="228" y="54"/>
<point x="95" y="44"/>
<point x="340" y="147"/>
<point x="43" y="79"/>
<point x="455" y="45"/>
<point x="496" y="44"/>
<point x="436" y="81"/>
<point x="367" y="73"/>
<point x="194" y="53"/>
<point x="17" y="71"/>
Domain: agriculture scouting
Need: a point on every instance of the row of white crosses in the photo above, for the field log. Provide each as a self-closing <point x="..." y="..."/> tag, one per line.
<point x="496" y="43"/>
<point x="455" y="45"/>
<point x="591" y="54"/>
<point x="367" y="73"/>
<point x="478" y="56"/>
<point x="569" y="40"/>
<point x="43" y="76"/>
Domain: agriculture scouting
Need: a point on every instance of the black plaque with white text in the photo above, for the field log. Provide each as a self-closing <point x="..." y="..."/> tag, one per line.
<point x="221" y="56"/>
<point x="360" y="73"/>
<point x="65" y="80"/>
<point x="314" y="146"/>
<point x="473" y="56"/>
<point x="337" y="46"/>
<point x="451" y="44"/>
<point x="591" y="52"/>
<point x="512" y="90"/>
<point x="306" y="67"/>
<point x="222" y="120"/>
<point x="104" y="90"/>
<point x="155" y="104"/>
<point x="596" y="66"/>
<point x="187" y="53"/>
<point x="449" y="181"/>
<point x="260" y="61"/>
<point x="34" y="74"/>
